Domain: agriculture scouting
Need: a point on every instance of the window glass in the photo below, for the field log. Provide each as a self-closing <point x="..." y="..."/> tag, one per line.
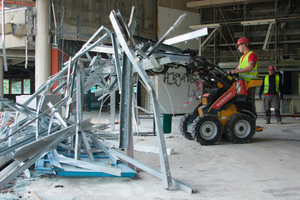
<point x="6" y="86"/>
<point x="26" y="87"/>
<point x="16" y="86"/>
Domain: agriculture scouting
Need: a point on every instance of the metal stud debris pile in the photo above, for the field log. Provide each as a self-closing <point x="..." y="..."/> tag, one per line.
<point x="37" y="138"/>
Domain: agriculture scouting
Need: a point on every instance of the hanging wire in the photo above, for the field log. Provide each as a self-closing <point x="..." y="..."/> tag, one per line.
<point x="26" y="52"/>
<point x="104" y="100"/>
<point x="146" y="89"/>
<point x="177" y="124"/>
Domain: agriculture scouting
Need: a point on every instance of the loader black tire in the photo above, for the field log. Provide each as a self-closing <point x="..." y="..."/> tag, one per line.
<point x="240" y="128"/>
<point x="183" y="126"/>
<point x="162" y="70"/>
<point x="207" y="129"/>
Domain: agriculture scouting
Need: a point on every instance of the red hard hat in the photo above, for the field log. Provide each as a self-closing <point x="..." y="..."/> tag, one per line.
<point x="242" y="40"/>
<point x="271" y="67"/>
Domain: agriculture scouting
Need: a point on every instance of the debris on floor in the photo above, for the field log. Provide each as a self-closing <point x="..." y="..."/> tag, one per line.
<point x="54" y="137"/>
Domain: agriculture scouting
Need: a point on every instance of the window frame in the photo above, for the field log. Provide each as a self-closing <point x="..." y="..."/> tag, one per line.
<point x="22" y="85"/>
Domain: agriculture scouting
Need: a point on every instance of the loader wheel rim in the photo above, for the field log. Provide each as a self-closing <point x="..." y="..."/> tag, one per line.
<point x="208" y="130"/>
<point x="242" y="128"/>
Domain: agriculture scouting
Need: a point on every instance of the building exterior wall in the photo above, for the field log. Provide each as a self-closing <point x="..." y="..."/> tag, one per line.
<point x="80" y="19"/>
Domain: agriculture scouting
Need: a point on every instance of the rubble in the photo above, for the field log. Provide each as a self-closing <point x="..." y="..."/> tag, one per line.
<point x="36" y="134"/>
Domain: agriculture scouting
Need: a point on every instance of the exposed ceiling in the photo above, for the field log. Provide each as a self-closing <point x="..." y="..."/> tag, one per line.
<point x="23" y="1"/>
<point x="210" y="3"/>
<point x="20" y="2"/>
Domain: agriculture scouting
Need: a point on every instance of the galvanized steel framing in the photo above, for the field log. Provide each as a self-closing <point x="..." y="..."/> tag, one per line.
<point x="42" y="131"/>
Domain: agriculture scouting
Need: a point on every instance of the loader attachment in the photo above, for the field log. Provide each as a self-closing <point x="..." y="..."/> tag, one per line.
<point x="253" y="83"/>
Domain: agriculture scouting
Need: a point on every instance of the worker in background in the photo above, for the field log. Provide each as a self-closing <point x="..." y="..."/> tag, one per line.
<point x="272" y="88"/>
<point x="247" y="67"/>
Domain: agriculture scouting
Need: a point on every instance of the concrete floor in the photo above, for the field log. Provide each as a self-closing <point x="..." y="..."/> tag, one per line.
<point x="266" y="168"/>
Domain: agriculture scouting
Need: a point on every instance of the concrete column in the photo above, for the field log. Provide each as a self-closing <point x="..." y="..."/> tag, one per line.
<point x="1" y="83"/>
<point x="42" y="44"/>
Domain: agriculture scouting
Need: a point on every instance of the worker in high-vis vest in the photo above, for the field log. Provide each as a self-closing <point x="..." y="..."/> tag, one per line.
<point x="272" y="89"/>
<point x="247" y="67"/>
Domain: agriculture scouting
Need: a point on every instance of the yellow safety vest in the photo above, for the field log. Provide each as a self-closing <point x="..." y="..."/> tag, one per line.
<point x="245" y="63"/>
<point x="266" y="87"/>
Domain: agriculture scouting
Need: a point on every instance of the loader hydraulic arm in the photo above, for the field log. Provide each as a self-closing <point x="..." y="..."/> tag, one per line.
<point x="211" y="73"/>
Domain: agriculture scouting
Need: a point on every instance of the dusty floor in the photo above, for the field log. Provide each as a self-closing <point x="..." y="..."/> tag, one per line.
<point x="266" y="168"/>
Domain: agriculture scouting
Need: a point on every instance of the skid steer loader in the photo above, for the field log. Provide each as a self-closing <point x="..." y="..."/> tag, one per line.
<point x="223" y="111"/>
